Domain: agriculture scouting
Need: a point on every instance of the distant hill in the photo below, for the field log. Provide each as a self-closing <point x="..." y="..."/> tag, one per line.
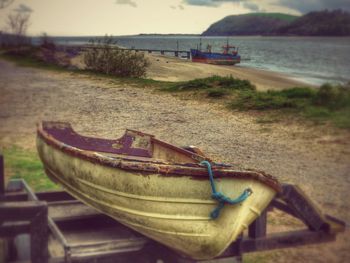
<point x="249" y="24"/>
<point x="324" y="23"/>
<point x="321" y="23"/>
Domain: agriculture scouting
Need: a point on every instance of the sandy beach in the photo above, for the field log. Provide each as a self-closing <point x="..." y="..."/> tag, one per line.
<point x="318" y="159"/>
<point x="174" y="69"/>
<point x="166" y="68"/>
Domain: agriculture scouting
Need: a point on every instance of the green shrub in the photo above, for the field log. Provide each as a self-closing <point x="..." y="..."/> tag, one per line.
<point x="217" y="93"/>
<point x="332" y="97"/>
<point x="302" y="92"/>
<point x="253" y="100"/>
<point x="328" y="103"/>
<point x="104" y="58"/>
<point x="217" y="82"/>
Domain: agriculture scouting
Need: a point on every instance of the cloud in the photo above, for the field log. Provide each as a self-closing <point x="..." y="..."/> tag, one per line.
<point x="252" y="6"/>
<point x="210" y="3"/>
<point x="23" y="9"/>
<point x="302" y="6"/>
<point x="5" y="3"/>
<point x="179" y="7"/>
<point x="315" y="5"/>
<point x="126" y="2"/>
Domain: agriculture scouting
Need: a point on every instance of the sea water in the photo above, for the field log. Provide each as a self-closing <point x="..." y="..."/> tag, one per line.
<point x="315" y="60"/>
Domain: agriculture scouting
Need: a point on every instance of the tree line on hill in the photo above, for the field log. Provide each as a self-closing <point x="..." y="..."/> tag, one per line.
<point x="317" y="23"/>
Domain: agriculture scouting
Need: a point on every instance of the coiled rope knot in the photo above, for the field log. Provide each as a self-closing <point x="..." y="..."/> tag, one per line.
<point x="222" y="198"/>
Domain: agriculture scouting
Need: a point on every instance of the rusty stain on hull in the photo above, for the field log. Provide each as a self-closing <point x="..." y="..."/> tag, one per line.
<point x="187" y="164"/>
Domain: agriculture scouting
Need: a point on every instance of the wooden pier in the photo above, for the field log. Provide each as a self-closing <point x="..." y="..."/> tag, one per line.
<point x="63" y="229"/>
<point x="176" y="53"/>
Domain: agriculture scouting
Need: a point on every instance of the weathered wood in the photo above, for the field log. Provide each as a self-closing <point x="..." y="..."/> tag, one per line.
<point x="36" y="213"/>
<point x="39" y="237"/>
<point x="285" y="240"/>
<point x="280" y="205"/>
<point x="10" y="229"/>
<point x="15" y="196"/>
<point x="20" y="210"/>
<point x="115" y="246"/>
<point x="2" y="176"/>
<point x="304" y="208"/>
<point x="258" y="227"/>
<point x="51" y="196"/>
<point x="14" y="185"/>
<point x="71" y="211"/>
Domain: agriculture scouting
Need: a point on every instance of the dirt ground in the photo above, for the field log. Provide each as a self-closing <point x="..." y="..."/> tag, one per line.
<point x="316" y="158"/>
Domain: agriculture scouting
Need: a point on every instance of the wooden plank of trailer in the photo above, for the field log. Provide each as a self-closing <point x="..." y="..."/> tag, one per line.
<point x="48" y="196"/>
<point x="9" y="229"/>
<point x="303" y="207"/>
<point x="36" y="213"/>
<point x="68" y="212"/>
<point x="2" y="176"/>
<point x="21" y="210"/>
<point x="258" y="227"/>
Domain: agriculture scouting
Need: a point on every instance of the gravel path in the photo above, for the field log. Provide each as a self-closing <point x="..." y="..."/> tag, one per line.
<point x="315" y="158"/>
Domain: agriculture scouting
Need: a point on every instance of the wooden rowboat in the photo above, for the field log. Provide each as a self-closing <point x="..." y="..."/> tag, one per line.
<point x="155" y="188"/>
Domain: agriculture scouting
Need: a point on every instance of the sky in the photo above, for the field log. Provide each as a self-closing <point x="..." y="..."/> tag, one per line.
<point x="129" y="17"/>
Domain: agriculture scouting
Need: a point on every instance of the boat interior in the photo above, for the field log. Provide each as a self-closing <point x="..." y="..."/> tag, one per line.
<point x="133" y="145"/>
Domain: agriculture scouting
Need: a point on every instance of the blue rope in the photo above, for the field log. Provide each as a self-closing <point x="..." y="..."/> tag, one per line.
<point x="220" y="196"/>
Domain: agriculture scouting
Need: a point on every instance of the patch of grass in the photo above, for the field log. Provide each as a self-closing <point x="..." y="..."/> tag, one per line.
<point x="326" y="104"/>
<point x="29" y="61"/>
<point x="217" y="93"/>
<point x="267" y="119"/>
<point x="27" y="165"/>
<point x="329" y="103"/>
<point x="210" y="83"/>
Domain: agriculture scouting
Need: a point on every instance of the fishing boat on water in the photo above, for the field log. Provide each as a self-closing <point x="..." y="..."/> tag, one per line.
<point x="176" y="196"/>
<point x="229" y="56"/>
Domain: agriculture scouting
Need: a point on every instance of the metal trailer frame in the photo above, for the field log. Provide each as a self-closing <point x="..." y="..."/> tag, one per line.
<point x="23" y="211"/>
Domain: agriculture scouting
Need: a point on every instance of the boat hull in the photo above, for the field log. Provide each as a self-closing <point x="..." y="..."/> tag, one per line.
<point x="214" y="58"/>
<point x="151" y="204"/>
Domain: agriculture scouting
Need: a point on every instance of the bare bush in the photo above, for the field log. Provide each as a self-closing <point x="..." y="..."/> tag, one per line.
<point x="5" y="3"/>
<point x="104" y="57"/>
<point x="46" y="41"/>
<point x="18" y="23"/>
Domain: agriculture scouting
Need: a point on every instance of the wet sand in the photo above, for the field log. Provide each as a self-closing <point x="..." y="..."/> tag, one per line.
<point x="167" y="68"/>
<point x="175" y="69"/>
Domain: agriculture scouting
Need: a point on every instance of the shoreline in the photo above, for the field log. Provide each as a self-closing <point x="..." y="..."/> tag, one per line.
<point x="173" y="69"/>
<point x="167" y="68"/>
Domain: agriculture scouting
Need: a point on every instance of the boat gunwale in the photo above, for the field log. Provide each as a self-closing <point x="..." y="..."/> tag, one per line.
<point x="193" y="170"/>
